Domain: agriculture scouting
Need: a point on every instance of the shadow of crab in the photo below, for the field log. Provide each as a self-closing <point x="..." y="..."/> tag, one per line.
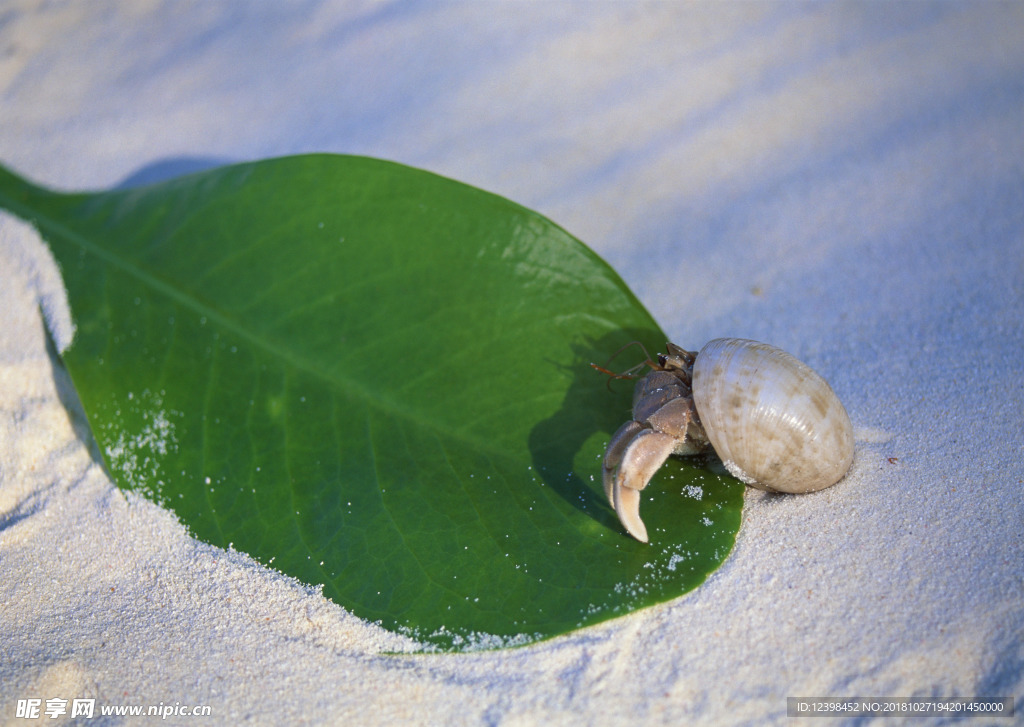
<point x="568" y="447"/>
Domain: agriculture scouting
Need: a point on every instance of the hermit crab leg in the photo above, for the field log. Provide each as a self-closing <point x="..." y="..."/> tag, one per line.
<point x="634" y="455"/>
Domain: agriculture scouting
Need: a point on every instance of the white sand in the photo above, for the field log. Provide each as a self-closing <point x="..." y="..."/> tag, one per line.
<point x="844" y="181"/>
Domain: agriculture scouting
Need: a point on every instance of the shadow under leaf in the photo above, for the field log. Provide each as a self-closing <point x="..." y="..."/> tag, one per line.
<point x="169" y="168"/>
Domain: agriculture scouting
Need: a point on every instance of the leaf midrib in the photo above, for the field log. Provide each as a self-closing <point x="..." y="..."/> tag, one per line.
<point x="342" y="385"/>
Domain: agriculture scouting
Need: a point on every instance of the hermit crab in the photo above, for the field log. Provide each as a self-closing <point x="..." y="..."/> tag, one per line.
<point x="773" y="421"/>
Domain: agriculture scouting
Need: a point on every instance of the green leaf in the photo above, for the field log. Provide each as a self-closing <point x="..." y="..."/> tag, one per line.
<point x="375" y="379"/>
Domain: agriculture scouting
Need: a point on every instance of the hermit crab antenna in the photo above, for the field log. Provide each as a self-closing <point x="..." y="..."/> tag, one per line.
<point x="629" y="373"/>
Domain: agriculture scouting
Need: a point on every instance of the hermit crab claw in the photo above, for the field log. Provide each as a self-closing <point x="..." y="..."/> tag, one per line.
<point x="634" y="454"/>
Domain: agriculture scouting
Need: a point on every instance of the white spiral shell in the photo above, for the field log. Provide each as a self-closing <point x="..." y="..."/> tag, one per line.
<point x="774" y="422"/>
